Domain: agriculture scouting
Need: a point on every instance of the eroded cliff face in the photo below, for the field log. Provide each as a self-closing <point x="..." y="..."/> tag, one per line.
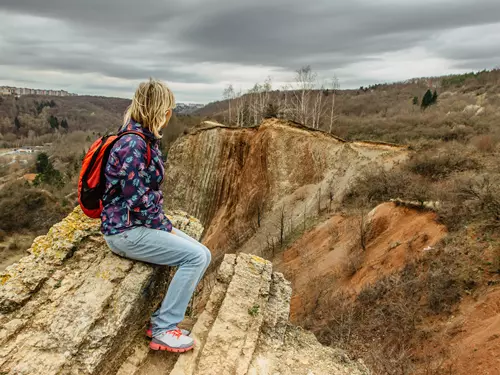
<point x="238" y="181"/>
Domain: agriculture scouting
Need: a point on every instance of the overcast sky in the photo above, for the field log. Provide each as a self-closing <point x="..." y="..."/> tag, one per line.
<point x="105" y="47"/>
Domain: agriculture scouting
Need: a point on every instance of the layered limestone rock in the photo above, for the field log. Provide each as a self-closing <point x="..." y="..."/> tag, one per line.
<point x="244" y="329"/>
<point x="72" y="306"/>
<point x="239" y="181"/>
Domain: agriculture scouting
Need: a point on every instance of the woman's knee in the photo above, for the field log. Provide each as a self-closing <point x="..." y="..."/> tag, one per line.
<point x="208" y="254"/>
<point x="201" y="256"/>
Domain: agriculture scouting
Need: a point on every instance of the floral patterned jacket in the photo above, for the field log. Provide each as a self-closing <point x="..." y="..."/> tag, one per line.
<point x="132" y="195"/>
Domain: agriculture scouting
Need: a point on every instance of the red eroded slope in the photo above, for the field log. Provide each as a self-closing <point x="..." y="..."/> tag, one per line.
<point x="318" y="259"/>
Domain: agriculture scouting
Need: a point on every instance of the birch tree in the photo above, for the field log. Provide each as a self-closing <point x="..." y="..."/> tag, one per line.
<point x="335" y="86"/>
<point x="259" y="97"/>
<point x="305" y="80"/>
<point x="228" y="94"/>
<point x="239" y="101"/>
<point x="254" y="107"/>
<point x="318" y="107"/>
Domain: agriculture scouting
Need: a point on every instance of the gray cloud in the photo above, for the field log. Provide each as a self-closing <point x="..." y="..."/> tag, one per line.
<point x="199" y="46"/>
<point x="279" y="34"/>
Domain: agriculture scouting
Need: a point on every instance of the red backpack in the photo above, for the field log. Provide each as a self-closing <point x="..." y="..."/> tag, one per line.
<point x="91" y="183"/>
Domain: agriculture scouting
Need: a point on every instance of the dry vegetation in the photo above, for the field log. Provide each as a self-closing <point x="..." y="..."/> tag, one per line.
<point x="455" y="165"/>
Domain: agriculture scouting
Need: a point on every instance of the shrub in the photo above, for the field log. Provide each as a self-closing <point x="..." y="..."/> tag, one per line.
<point x="28" y="209"/>
<point x="444" y="290"/>
<point x="441" y="164"/>
<point x="472" y="198"/>
<point x="47" y="173"/>
<point x="484" y="143"/>
<point x="379" y="185"/>
<point x="353" y="262"/>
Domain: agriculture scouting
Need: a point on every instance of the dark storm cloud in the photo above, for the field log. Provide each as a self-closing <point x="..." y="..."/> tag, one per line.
<point x="36" y="57"/>
<point x="131" y="40"/>
<point x="281" y="33"/>
<point x="141" y="16"/>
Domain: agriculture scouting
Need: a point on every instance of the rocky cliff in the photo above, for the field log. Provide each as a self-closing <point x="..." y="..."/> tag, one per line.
<point x="244" y="329"/>
<point x="239" y="181"/>
<point x="73" y="307"/>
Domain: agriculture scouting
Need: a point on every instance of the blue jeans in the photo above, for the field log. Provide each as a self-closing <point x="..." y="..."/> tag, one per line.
<point x="166" y="248"/>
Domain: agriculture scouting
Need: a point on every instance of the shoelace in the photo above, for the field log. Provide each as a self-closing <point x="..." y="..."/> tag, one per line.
<point x="175" y="332"/>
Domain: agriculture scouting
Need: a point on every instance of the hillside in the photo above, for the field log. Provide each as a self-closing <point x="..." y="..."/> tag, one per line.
<point x="249" y="179"/>
<point x="384" y="112"/>
<point x="82" y="113"/>
<point x="62" y="128"/>
<point x="387" y="227"/>
<point x="393" y="284"/>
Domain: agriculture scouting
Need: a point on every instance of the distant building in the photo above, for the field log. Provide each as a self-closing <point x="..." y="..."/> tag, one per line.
<point x="7" y="90"/>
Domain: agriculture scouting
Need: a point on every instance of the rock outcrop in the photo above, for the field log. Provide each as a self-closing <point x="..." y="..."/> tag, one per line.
<point x="72" y="306"/>
<point x="238" y="181"/>
<point x="244" y="329"/>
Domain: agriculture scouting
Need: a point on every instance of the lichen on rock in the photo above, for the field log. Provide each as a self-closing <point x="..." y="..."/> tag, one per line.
<point x="73" y="307"/>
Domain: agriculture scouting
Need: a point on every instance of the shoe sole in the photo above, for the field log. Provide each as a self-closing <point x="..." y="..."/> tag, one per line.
<point x="155" y="346"/>
<point x="149" y="334"/>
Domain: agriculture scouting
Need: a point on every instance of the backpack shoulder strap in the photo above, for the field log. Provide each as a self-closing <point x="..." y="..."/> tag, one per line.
<point x="146" y="139"/>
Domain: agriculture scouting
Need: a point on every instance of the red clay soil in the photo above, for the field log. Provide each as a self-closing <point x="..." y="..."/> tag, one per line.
<point x="475" y="332"/>
<point x="316" y="263"/>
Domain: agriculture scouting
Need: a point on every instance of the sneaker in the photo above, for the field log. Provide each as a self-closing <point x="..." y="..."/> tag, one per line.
<point x="149" y="331"/>
<point x="172" y="341"/>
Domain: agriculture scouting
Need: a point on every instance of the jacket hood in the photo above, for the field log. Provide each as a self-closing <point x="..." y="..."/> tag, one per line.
<point x="135" y="126"/>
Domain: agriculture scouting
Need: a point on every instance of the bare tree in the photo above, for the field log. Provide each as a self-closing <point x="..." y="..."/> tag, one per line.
<point x="318" y="107"/>
<point x="284" y="101"/>
<point x="240" y="102"/>
<point x="254" y="103"/>
<point x="228" y="94"/>
<point x="364" y="227"/>
<point x="319" y="201"/>
<point x="260" y="95"/>
<point x="335" y="87"/>
<point x="282" y="226"/>
<point x="305" y="80"/>
<point x="263" y="96"/>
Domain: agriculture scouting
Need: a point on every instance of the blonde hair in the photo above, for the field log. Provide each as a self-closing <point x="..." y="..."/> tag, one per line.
<point x="150" y="105"/>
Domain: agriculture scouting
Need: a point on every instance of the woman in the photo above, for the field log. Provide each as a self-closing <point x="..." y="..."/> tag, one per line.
<point x="133" y="222"/>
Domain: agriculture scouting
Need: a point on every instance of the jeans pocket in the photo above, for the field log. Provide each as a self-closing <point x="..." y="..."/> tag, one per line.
<point x="126" y="238"/>
<point x="121" y="243"/>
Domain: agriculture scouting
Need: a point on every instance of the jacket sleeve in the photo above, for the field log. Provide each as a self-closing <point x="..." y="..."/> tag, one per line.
<point x="128" y="170"/>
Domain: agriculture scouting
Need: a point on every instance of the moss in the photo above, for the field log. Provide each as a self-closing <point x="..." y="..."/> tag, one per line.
<point x="254" y="310"/>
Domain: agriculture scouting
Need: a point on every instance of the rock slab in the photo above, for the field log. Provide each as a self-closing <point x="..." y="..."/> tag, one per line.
<point x="244" y="329"/>
<point x="73" y="307"/>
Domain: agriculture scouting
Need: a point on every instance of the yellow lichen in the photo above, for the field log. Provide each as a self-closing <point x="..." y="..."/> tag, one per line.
<point x="70" y="230"/>
<point x="258" y="259"/>
<point x="104" y="274"/>
<point x="4" y="279"/>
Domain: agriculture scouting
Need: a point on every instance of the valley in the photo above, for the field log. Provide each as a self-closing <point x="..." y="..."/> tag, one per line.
<point x="386" y="226"/>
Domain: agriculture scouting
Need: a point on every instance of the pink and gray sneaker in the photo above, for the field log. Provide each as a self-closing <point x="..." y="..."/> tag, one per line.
<point x="149" y="332"/>
<point x="172" y="341"/>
